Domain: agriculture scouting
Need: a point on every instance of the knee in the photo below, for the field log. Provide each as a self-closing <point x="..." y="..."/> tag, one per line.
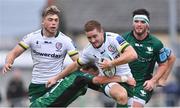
<point x="122" y="98"/>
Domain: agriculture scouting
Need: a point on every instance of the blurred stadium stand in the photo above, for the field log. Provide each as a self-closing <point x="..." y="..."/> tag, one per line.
<point x="115" y="14"/>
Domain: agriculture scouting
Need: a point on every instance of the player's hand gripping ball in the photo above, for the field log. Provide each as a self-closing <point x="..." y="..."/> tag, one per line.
<point x="110" y="71"/>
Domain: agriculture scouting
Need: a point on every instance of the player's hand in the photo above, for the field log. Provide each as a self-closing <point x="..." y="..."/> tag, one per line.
<point x="149" y="85"/>
<point x="51" y="82"/>
<point x="105" y="64"/>
<point x="7" y="67"/>
<point x="131" y="81"/>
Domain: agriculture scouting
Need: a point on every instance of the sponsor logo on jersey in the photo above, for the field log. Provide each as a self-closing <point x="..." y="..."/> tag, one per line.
<point x="138" y="45"/>
<point x="58" y="46"/>
<point x="46" y="54"/>
<point x="141" y="59"/>
<point x="47" y="42"/>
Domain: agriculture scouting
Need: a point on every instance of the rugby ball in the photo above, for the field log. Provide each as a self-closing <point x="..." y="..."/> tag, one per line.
<point x="108" y="72"/>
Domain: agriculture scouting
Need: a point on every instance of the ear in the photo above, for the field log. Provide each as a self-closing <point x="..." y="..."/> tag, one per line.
<point x="148" y="28"/>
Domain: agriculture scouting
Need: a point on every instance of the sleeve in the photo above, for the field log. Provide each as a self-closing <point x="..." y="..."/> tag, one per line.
<point x="161" y="55"/>
<point x="168" y="52"/>
<point x="84" y="58"/>
<point x="121" y="43"/>
<point x="71" y="48"/>
<point x="26" y="41"/>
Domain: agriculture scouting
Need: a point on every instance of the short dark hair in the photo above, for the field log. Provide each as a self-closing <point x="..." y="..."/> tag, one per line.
<point x="91" y="25"/>
<point x="141" y="12"/>
<point x="51" y="10"/>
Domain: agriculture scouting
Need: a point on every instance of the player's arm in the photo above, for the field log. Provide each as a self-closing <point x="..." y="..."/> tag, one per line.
<point x="105" y="80"/>
<point x="170" y="62"/>
<point x="161" y="69"/>
<point x="75" y="57"/>
<point x="74" y="54"/>
<point x="12" y="55"/>
<point x="68" y="70"/>
<point x="128" y="55"/>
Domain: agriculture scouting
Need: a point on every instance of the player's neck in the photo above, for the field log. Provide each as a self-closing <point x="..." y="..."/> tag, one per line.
<point x="140" y="36"/>
<point x="48" y="34"/>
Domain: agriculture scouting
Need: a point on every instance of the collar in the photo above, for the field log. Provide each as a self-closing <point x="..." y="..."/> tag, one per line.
<point x="55" y="35"/>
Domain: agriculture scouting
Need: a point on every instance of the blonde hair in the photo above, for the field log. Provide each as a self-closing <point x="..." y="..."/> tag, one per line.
<point x="51" y="10"/>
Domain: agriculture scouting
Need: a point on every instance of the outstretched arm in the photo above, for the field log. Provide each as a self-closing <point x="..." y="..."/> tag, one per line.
<point x="104" y="80"/>
<point x="69" y="69"/>
<point x="12" y="55"/>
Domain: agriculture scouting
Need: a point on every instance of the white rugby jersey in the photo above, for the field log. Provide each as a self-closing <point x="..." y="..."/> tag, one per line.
<point x="48" y="54"/>
<point x="113" y="45"/>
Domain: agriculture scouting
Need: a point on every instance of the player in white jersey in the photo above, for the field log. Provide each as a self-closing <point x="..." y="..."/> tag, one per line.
<point x="100" y="43"/>
<point x="48" y="54"/>
<point x="110" y="47"/>
<point x="48" y="47"/>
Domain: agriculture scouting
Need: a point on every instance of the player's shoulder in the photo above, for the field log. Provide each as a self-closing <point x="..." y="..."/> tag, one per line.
<point x="127" y="34"/>
<point x="155" y="40"/>
<point x="111" y="35"/>
<point x="63" y="36"/>
<point x="156" y="43"/>
<point x="37" y="32"/>
<point x="88" y="49"/>
<point x="33" y="34"/>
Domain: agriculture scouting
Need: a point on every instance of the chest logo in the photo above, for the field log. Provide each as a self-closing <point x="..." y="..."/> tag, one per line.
<point x="111" y="48"/>
<point x="58" y="46"/>
<point x="150" y="50"/>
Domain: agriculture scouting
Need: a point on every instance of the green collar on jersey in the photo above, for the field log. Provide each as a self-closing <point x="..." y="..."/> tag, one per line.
<point x="55" y="35"/>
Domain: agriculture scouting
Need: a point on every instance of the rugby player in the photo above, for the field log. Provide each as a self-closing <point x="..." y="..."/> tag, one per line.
<point x="102" y="43"/>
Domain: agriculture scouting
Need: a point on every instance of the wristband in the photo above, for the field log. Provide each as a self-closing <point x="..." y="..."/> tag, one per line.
<point x="124" y="78"/>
